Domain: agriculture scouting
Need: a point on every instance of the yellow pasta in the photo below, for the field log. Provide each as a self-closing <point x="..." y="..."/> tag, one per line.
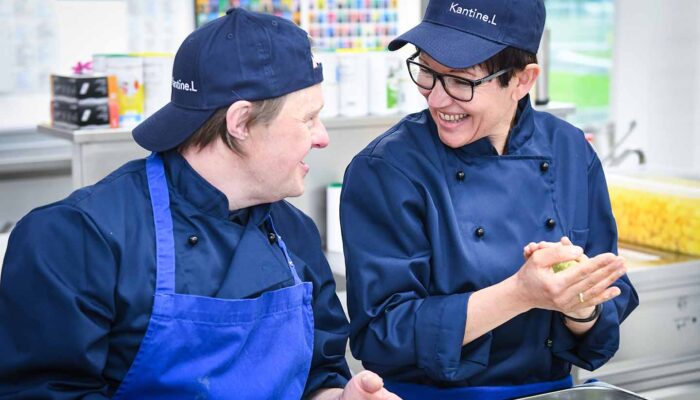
<point x="664" y="221"/>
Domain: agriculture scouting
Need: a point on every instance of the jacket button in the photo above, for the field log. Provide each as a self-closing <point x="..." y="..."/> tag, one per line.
<point x="549" y="343"/>
<point x="479" y="232"/>
<point x="272" y="237"/>
<point x="544" y="166"/>
<point x="192" y="240"/>
<point x="550" y="223"/>
<point x="460" y="175"/>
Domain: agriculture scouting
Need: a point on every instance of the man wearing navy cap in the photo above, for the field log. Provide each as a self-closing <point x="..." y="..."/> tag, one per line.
<point x="453" y="219"/>
<point x="186" y="275"/>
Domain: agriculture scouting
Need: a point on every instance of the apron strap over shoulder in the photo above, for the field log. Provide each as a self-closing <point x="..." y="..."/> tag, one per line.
<point x="165" y="242"/>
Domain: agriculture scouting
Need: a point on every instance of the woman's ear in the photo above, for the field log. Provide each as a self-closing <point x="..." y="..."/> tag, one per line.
<point x="237" y="117"/>
<point x="525" y="79"/>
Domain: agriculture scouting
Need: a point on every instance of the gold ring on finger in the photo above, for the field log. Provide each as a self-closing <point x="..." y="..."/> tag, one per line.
<point x="580" y="297"/>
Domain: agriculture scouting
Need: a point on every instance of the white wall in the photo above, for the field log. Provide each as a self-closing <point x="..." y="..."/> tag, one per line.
<point x="656" y="80"/>
<point x="79" y="39"/>
<point x="86" y="27"/>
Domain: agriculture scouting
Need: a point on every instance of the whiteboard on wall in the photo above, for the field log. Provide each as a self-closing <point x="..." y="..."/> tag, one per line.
<point x="48" y="36"/>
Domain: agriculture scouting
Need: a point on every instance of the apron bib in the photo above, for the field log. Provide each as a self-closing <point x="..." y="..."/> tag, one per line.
<point x="200" y="347"/>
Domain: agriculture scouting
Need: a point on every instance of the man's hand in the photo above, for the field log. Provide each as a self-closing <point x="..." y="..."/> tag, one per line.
<point x="367" y="386"/>
<point x="364" y="386"/>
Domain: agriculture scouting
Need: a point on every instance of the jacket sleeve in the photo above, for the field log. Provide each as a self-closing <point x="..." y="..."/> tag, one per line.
<point x="328" y="366"/>
<point x="395" y="322"/>
<point x="55" y="307"/>
<point x="599" y="344"/>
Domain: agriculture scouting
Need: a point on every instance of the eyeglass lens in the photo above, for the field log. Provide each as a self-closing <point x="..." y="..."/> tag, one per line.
<point x="425" y="78"/>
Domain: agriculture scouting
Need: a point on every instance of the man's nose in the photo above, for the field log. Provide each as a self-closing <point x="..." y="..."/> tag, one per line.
<point x="320" y="138"/>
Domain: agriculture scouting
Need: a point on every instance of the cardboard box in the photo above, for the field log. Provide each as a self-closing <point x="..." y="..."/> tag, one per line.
<point x="74" y="115"/>
<point x="79" y="88"/>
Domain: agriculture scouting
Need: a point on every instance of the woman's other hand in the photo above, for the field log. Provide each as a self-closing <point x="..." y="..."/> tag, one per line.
<point x="575" y="291"/>
<point x="532" y="247"/>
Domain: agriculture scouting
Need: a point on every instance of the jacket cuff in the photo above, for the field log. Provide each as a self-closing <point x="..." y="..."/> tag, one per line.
<point x="595" y="347"/>
<point x="323" y="380"/>
<point x="440" y="324"/>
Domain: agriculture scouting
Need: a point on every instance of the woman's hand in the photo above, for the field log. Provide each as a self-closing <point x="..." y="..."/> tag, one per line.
<point x="532" y="247"/>
<point x="364" y="386"/>
<point x="535" y="285"/>
<point x="575" y="291"/>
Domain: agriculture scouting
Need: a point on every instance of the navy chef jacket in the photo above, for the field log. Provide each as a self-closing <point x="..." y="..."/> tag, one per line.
<point x="424" y="226"/>
<point x="79" y="277"/>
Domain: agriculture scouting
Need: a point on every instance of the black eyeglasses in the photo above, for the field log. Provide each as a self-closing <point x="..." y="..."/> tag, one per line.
<point x="458" y="88"/>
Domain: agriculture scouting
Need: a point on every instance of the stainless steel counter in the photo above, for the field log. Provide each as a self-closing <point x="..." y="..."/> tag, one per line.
<point x="96" y="152"/>
<point x="28" y="153"/>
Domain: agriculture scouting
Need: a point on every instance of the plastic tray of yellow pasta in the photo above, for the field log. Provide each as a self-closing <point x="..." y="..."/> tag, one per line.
<point x="657" y="211"/>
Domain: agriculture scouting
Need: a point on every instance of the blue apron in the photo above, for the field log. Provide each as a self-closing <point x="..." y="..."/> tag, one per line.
<point x="199" y="347"/>
<point x="411" y="391"/>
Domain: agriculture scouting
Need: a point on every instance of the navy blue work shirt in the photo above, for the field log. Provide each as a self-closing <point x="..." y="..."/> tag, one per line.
<point x="79" y="275"/>
<point x="424" y="226"/>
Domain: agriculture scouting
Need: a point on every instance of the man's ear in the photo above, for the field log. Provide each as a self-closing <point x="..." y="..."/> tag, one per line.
<point x="525" y="79"/>
<point x="237" y="117"/>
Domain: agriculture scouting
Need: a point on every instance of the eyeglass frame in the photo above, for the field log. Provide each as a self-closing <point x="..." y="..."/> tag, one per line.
<point x="438" y="76"/>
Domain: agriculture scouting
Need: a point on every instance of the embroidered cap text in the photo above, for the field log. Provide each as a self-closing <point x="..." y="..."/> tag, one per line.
<point x="180" y="85"/>
<point x="472" y="13"/>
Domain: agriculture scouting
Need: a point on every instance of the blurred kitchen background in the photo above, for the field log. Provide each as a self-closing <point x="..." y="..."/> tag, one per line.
<point x="627" y="72"/>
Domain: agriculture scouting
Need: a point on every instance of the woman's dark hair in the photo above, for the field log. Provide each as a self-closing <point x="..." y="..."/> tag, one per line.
<point x="512" y="58"/>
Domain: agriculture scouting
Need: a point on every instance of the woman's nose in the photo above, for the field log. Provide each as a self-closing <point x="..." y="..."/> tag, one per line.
<point x="438" y="97"/>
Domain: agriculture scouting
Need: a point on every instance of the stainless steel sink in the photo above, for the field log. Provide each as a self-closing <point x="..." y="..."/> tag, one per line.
<point x="595" y="391"/>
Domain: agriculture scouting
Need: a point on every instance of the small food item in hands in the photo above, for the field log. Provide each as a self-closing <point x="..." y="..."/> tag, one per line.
<point x="563" y="265"/>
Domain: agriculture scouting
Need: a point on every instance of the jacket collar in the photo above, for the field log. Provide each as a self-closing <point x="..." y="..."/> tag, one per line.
<point x="186" y="184"/>
<point x="521" y="133"/>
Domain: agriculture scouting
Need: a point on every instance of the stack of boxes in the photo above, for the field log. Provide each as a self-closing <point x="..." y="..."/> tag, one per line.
<point x="123" y="91"/>
<point x="83" y="101"/>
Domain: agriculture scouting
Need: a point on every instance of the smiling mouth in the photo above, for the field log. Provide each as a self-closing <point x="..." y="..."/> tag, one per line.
<point x="304" y="166"/>
<point x="452" y="117"/>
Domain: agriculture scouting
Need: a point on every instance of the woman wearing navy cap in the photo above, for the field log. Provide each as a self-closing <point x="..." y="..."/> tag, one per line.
<point x="186" y="275"/>
<point x="449" y="295"/>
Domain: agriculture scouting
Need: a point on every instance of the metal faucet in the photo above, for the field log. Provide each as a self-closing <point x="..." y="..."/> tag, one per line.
<point x="615" y="161"/>
<point x="612" y="159"/>
<point x="4" y="228"/>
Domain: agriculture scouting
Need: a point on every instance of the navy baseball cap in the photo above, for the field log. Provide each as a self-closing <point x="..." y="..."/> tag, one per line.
<point x="242" y="55"/>
<point x="462" y="33"/>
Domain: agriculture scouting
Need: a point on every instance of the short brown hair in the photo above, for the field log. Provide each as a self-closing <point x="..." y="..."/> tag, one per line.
<point x="262" y="112"/>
